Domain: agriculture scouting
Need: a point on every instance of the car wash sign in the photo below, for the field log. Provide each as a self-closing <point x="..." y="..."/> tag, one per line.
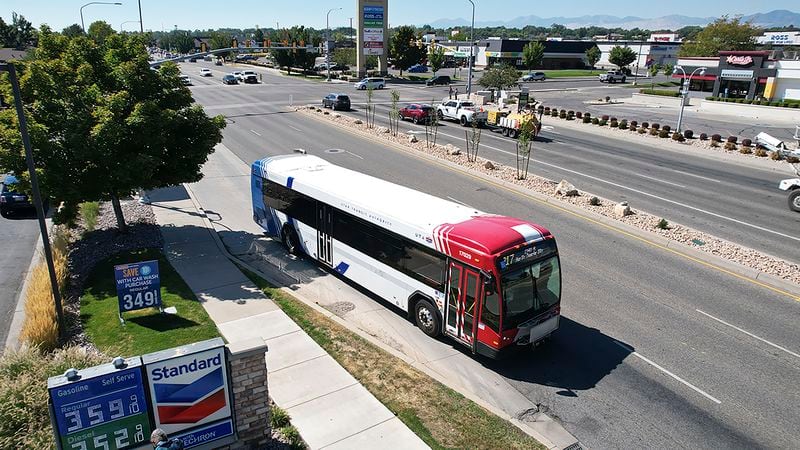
<point x="190" y="393"/>
<point x="103" y="407"/>
<point x="138" y="286"/>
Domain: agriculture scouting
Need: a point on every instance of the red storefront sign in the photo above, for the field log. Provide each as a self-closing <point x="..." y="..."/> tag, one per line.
<point x="741" y="60"/>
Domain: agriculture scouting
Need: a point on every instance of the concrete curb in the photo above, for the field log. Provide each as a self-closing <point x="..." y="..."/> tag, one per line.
<point x="763" y="279"/>
<point x="523" y="426"/>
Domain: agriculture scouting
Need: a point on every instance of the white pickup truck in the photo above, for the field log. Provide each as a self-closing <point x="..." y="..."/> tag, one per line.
<point x="612" y="76"/>
<point x="462" y="111"/>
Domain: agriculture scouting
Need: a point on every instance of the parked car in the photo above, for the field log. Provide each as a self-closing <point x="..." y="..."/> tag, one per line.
<point x="12" y="201"/>
<point x="230" y="79"/>
<point x="534" y="76"/>
<point x="248" y="72"/>
<point x="417" y="112"/>
<point x="418" y="68"/>
<point x="439" y="79"/>
<point x="336" y="101"/>
<point x="186" y="80"/>
<point x="207" y="58"/>
<point x="204" y="72"/>
<point x="340" y="67"/>
<point x="322" y="66"/>
<point x="192" y="59"/>
<point x="218" y="62"/>
<point x="464" y="112"/>
<point x="250" y="78"/>
<point x="612" y="76"/>
<point x="238" y="75"/>
<point x="374" y="83"/>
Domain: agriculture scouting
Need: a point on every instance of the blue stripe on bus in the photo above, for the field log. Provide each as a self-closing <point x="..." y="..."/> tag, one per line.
<point x="289" y="182"/>
<point x="342" y="267"/>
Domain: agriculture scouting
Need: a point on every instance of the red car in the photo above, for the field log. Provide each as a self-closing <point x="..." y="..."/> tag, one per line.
<point x="417" y="112"/>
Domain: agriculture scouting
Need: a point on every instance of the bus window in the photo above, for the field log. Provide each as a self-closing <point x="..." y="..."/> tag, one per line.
<point x="490" y="315"/>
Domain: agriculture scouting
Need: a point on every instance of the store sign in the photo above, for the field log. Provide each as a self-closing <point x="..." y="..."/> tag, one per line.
<point x="138" y="286"/>
<point x="103" y="407"/>
<point x="373" y="26"/>
<point x="737" y="74"/>
<point x="190" y="392"/>
<point x="744" y="60"/>
<point x="373" y="34"/>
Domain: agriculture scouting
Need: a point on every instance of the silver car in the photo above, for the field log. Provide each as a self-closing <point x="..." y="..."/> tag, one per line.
<point x="371" y="83"/>
<point x="534" y="76"/>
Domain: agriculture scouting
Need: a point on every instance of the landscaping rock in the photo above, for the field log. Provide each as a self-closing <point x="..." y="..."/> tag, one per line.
<point x="452" y="149"/>
<point x="622" y="209"/>
<point x="413" y="139"/>
<point x="489" y="165"/>
<point x="358" y="122"/>
<point x="566" y="189"/>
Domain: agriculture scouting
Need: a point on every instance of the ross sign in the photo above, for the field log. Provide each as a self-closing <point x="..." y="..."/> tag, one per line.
<point x="104" y="407"/>
<point x="138" y="286"/>
<point x="190" y="392"/>
<point x="735" y="60"/>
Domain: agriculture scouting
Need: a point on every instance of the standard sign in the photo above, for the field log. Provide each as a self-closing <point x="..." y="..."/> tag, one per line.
<point x="138" y="286"/>
<point x="102" y="408"/>
<point x="190" y="392"/>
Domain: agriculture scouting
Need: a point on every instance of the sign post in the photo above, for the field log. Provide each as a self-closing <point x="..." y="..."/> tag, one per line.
<point x="102" y="407"/>
<point x="138" y="286"/>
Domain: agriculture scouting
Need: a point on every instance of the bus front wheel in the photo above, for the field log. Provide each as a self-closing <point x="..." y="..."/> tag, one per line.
<point x="426" y="318"/>
<point x="290" y="241"/>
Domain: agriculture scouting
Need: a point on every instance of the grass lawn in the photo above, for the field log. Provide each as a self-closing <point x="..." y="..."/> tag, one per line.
<point x="570" y="73"/>
<point x="145" y="330"/>
<point x="440" y="416"/>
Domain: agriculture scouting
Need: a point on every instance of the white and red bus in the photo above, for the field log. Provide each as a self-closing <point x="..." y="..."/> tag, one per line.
<point x="492" y="283"/>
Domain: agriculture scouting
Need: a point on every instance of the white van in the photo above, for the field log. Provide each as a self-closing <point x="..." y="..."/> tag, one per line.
<point x="371" y="83"/>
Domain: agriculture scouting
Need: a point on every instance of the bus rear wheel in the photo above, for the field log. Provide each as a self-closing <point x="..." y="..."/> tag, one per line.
<point x="426" y="319"/>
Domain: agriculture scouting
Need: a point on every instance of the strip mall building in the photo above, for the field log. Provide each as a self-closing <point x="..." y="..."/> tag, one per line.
<point x="771" y="75"/>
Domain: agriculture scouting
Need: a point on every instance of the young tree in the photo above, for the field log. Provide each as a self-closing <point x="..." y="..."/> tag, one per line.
<point x="220" y="40"/>
<point x="621" y="56"/>
<point x="258" y="36"/>
<point x="403" y="48"/>
<point x="532" y="54"/>
<point x="592" y="56"/>
<point x="99" y="31"/>
<point x="182" y="41"/>
<point x="723" y="34"/>
<point x="653" y="71"/>
<point x="344" y="56"/>
<point x="17" y="34"/>
<point x="668" y="68"/>
<point x="72" y="31"/>
<point x="103" y="124"/>
<point x="283" y="58"/>
<point x="499" y="77"/>
<point x="436" y="59"/>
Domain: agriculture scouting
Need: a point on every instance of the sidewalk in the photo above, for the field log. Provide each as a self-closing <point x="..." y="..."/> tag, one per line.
<point x="329" y="407"/>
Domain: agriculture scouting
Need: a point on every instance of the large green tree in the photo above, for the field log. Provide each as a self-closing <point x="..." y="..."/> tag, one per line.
<point x="102" y="123"/>
<point x="723" y="34"/>
<point x="621" y="56"/>
<point x="592" y="56"/>
<point x="499" y="77"/>
<point x="436" y="58"/>
<point x="532" y="54"/>
<point x="17" y="34"/>
<point x="72" y="31"/>
<point x="403" y="48"/>
<point x="99" y="31"/>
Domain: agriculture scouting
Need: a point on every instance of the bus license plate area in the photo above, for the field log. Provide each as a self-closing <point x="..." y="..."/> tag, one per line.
<point x="539" y="331"/>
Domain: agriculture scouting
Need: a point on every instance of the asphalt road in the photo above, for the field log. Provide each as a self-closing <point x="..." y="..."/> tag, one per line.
<point x="733" y="201"/>
<point x="19" y="238"/>
<point x="654" y="351"/>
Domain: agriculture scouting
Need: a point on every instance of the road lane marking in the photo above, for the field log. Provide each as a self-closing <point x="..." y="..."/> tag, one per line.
<point x="659" y="180"/>
<point x="749" y="334"/>
<point x="690" y="385"/>
<point x="255" y="132"/>
<point x="460" y="202"/>
<point x="295" y="128"/>
<point x="693" y="175"/>
<point x="351" y="153"/>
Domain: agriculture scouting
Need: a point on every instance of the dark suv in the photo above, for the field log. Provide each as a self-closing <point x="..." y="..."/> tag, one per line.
<point x="12" y="201"/>
<point x="439" y="79"/>
<point x="336" y="101"/>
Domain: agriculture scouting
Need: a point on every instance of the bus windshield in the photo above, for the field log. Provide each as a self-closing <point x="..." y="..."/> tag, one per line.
<point x="530" y="290"/>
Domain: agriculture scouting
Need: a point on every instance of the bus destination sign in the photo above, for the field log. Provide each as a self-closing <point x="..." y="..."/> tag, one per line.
<point x="101" y="407"/>
<point x="527" y="254"/>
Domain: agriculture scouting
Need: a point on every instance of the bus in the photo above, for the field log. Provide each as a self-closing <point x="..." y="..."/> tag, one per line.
<point x="492" y="283"/>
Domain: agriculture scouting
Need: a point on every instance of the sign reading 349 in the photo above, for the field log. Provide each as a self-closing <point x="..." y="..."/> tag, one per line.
<point x="138" y="286"/>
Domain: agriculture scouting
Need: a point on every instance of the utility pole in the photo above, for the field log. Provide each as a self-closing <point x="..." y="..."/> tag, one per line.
<point x="471" y="48"/>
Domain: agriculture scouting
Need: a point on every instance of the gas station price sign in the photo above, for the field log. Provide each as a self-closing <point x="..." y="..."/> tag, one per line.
<point x="103" y="407"/>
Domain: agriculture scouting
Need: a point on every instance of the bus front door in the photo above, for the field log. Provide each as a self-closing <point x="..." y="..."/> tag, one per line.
<point x="324" y="234"/>
<point x="462" y="294"/>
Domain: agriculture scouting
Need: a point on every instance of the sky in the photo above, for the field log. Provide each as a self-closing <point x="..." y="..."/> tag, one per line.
<point x="205" y="14"/>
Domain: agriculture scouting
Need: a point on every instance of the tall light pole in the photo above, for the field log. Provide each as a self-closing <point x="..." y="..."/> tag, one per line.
<point x="685" y="89"/>
<point x="95" y="3"/>
<point x="141" y="25"/>
<point x="37" y="196"/>
<point x="328" y="42"/>
<point x="123" y="23"/>
<point x="471" y="46"/>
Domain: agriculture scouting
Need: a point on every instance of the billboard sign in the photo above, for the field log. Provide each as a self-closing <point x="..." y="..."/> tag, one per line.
<point x="102" y="407"/>
<point x="190" y="392"/>
<point x="138" y="286"/>
<point x="373" y="26"/>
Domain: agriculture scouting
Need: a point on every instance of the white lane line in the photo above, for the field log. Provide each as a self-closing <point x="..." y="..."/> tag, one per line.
<point x="294" y="128"/>
<point x="690" y="385"/>
<point x="659" y="180"/>
<point x="351" y="153"/>
<point x="696" y="176"/>
<point x="749" y="334"/>
<point x="255" y="132"/>
<point x="460" y="202"/>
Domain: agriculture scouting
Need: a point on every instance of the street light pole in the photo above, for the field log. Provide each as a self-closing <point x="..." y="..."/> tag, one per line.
<point x="685" y="90"/>
<point x="37" y="196"/>
<point x="141" y="24"/>
<point x="471" y="45"/>
<point x="328" y="42"/>
<point x="95" y="3"/>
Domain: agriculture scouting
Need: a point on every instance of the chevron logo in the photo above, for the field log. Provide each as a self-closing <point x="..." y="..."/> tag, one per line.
<point x="192" y="402"/>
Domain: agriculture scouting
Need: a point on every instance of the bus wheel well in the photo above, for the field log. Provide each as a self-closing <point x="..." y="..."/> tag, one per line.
<point x="415" y="298"/>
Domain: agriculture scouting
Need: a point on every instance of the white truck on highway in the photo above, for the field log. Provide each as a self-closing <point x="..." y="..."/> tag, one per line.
<point x="612" y="76"/>
<point x="464" y="112"/>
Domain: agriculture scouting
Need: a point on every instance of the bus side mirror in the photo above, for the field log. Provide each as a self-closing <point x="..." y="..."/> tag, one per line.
<point x="488" y="282"/>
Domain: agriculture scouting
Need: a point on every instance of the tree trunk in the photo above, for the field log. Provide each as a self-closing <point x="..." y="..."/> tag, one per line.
<point x="121" y="225"/>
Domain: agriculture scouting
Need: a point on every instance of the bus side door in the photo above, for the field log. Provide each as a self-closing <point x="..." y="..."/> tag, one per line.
<point x="463" y="292"/>
<point x="324" y="234"/>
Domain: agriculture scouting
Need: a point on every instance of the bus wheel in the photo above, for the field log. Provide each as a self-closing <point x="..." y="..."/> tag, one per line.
<point x="426" y="318"/>
<point x="290" y="241"/>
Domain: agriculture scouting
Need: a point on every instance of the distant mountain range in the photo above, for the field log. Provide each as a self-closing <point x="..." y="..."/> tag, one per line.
<point x="776" y="18"/>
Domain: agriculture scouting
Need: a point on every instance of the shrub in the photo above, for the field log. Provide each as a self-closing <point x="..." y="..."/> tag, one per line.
<point x="747" y="142"/>
<point x="586" y="119"/>
<point x="748" y="101"/>
<point x="587" y="114"/>
<point x="554" y="112"/>
<point x="547" y="110"/>
<point x="634" y="124"/>
<point x="23" y="392"/>
<point x="602" y="122"/>
<point x="716" y="138"/>
<point x="703" y="136"/>
<point x="794" y="105"/>
<point x="666" y="128"/>
<point x="570" y="113"/>
<point x="792" y="159"/>
<point x="715" y="144"/>
<point x="663" y="134"/>
<point x="540" y="108"/>
<point x="562" y="114"/>
<point x="608" y="99"/>
<point x="279" y="418"/>
<point x="40" y="327"/>
<point x="604" y="117"/>
<point x="595" y="121"/>
<point x="761" y="152"/>
<point x="731" y="139"/>
<point x="89" y="212"/>
<point x="614" y="124"/>
<point x="775" y="156"/>
<point x="645" y="125"/>
<point x="662" y="224"/>
<point x="653" y="132"/>
<point x="614" y="119"/>
<point x="745" y="150"/>
<point x="579" y="115"/>
<point x="730" y="146"/>
<point x="623" y="125"/>
<point x="642" y="130"/>
<point x="594" y="201"/>
<point x="655" y="126"/>
<point x="291" y="434"/>
<point x="688" y="134"/>
<point x="563" y="111"/>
